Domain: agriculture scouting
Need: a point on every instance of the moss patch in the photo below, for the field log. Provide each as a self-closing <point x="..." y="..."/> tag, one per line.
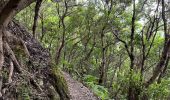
<point x="60" y="83"/>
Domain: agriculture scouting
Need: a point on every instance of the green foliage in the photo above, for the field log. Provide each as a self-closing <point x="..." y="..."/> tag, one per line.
<point x="89" y="79"/>
<point x="159" y="90"/>
<point x="24" y="92"/>
<point x="99" y="90"/>
<point x="85" y="45"/>
<point x="136" y="79"/>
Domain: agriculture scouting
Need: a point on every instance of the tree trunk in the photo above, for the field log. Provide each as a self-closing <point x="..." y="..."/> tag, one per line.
<point x="6" y="15"/>
<point x="161" y="64"/>
<point x="102" y="68"/>
<point x="132" y="95"/>
<point x="37" y="8"/>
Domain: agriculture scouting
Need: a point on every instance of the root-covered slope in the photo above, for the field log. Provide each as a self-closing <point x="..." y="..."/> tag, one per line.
<point x="27" y="71"/>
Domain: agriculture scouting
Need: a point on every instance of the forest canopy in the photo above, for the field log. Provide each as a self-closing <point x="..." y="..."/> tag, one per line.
<point x="120" y="49"/>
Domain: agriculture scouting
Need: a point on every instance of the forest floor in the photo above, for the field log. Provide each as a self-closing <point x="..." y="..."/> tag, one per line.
<point x="77" y="90"/>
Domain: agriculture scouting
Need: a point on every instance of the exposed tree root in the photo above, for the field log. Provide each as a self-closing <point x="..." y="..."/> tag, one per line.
<point x="25" y="48"/>
<point x="35" y="84"/>
<point x="1" y="79"/>
<point x="12" y="38"/>
<point x="13" y="89"/>
<point x="1" y="57"/>
<point x="11" y="69"/>
<point x="12" y="56"/>
<point x="34" y="73"/>
<point x="16" y="62"/>
<point x="5" y="37"/>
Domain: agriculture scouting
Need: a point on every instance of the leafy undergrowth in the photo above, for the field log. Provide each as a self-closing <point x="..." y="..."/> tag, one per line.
<point x="159" y="91"/>
<point x="99" y="90"/>
<point x="156" y="91"/>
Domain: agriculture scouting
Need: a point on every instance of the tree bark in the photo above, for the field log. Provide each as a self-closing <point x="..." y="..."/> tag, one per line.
<point x="6" y="14"/>
<point x="37" y="8"/>
<point x="132" y="92"/>
<point x="161" y="64"/>
<point x="102" y="68"/>
<point x="62" y="20"/>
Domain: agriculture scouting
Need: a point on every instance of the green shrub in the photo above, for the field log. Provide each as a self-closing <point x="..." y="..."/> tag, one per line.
<point x="100" y="91"/>
<point x="159" y="91"/>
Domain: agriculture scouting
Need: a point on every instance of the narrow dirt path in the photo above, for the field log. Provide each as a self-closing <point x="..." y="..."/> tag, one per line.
<point x="77" y="90"/>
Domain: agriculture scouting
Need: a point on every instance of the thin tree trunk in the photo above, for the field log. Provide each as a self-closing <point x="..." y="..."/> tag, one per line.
<point x="42" y="28"/>
<point x="62" y="18"/>
<point x="102" y="68"/>
<point x="132" y="94"/>
<point x="164" y="70"/>
<point x="37" y="8"/>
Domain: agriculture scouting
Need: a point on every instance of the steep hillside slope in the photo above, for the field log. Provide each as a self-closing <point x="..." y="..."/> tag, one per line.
<point x="30" y="73"/>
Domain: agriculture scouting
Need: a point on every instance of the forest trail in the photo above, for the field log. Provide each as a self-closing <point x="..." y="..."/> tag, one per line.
<point x="77" y="90"/>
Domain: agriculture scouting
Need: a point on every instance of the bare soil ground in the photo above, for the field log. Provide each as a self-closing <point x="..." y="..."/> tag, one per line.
<point x="77" y="90"/>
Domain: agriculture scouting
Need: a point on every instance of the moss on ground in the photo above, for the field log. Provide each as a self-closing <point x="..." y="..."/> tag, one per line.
<point x="60" y="83"/>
